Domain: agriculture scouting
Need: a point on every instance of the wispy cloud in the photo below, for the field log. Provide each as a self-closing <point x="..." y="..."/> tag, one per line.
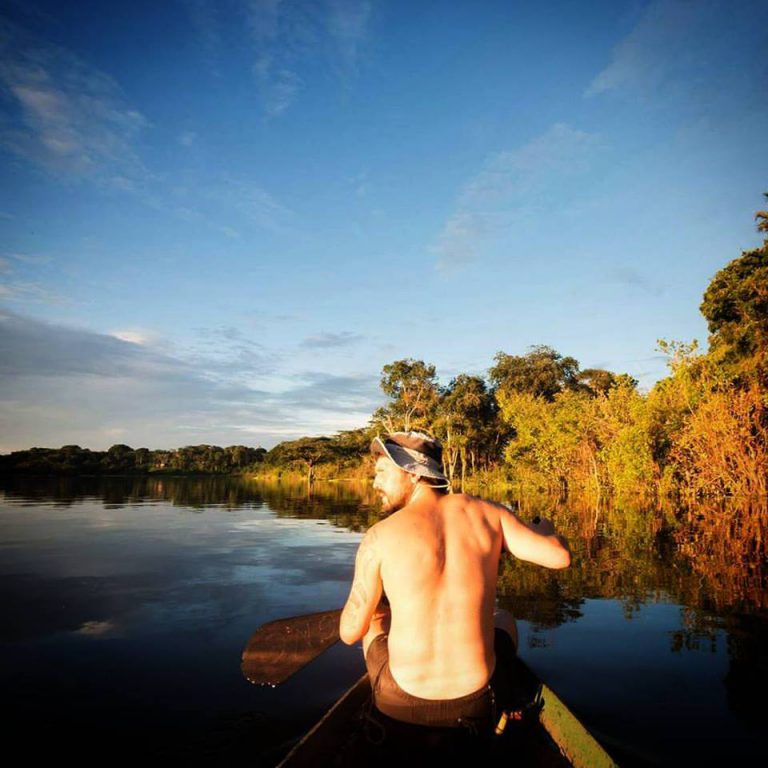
<point x="338" y="394"/>
<point x="227" y="353"/>
<point x="29" y="292"/>
<point x="28" y="258"/>
<point x="230" y="205"/>
<point x="348" y="22"/>
<point x="72" y="385"/>
<point x="75" y="122"/>
<point x="290" y="38"/>
<point x="280" y="33"/>
<point x="278" y="85"/>
<point x="512" y="184"/>
<point x="331" y="340"/>
<point x="686" y="43"/>
<point x="65" y="116"/>
<point x="643" y="59"/>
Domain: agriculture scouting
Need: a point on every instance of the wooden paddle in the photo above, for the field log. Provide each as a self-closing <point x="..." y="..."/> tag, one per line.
<point x="279" y="649"/>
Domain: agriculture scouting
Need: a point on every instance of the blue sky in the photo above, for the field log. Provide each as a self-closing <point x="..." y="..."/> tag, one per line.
<point x="221" y="219"/>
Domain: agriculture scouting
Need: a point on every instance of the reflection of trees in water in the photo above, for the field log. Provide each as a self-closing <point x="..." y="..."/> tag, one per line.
<point x="714" y="561"/>
<point x="348" y="505"/>
<point x="617" y="553"/>
<point x="726" y="546"/>
<point x="117" y="492"/>
<point x="726" y="543"/>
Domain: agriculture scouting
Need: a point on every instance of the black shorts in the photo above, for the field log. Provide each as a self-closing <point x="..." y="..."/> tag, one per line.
<point x="477" y="710"/>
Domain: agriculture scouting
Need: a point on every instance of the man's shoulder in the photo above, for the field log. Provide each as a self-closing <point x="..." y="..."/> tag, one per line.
<point x="468" y="501"/>
<point x="380" y="530"/>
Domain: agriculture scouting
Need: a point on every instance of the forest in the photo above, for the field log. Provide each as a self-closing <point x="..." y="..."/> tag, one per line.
<point x="539" y="421"/>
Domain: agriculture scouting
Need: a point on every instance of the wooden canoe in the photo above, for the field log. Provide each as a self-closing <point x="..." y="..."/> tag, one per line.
<point x="548" y="734"/>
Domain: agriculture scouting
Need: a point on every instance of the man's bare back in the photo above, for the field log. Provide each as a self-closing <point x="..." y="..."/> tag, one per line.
<point x="437" y="558"/>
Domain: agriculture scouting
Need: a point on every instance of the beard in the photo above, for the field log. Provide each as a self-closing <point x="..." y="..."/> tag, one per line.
<point x="392" y="504"/>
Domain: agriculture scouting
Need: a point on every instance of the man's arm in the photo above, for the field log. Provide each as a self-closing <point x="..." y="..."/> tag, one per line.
<point x="365" y="593"/>
<point x="537" y="544"/>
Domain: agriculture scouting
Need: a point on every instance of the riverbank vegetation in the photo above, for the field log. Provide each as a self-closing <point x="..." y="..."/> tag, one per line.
<point x="124" y="460"/>
<point x="541" y="423"/>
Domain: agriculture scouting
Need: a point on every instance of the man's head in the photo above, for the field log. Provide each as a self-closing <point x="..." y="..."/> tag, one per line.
<point x="403" y="460"/>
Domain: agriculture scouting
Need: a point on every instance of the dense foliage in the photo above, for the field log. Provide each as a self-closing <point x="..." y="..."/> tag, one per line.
<point x="541" y="422"/>
<point x="122" y="459"/>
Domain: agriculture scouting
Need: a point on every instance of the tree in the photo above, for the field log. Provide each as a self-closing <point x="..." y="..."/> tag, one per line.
<point x="464" y="415"/>
<point x="596" y="381"/>
<point x="541" y="373"/>
<point x="307" y="451"/>
<point x="762" y="218"/>
<point x="735" y="307"/>
<point x="119" y="458"/>
<point x="412" y="385"/>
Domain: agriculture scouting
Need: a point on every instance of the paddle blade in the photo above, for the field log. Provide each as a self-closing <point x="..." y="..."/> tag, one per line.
<point x="281" y="648"/>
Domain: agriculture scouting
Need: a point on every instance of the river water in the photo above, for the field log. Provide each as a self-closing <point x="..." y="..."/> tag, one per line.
<point x="126" y="604"/>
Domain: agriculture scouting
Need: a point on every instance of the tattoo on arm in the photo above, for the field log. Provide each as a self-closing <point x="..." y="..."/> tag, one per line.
<point x="364" y="581"/>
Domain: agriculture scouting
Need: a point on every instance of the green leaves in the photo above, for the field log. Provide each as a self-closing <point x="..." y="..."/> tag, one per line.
<point x="736" y="309"/>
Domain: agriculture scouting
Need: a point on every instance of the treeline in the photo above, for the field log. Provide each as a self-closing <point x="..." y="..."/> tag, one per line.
<point x="540" y="421"/>
<point x="124" y="460"/>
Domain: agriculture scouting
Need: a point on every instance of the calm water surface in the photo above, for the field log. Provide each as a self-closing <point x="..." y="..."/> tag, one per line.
<point x="126" y="605"/>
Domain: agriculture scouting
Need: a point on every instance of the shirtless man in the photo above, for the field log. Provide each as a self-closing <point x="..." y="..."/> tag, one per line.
<point x="430" y="652"/>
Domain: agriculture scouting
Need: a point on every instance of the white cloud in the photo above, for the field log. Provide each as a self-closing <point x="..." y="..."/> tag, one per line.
<point x="67" y="117"/>
<point x="62" y="385"/>
<point x="142" y="338"/>
<point x="511" y="185"/>
<point x="685" y="43"/>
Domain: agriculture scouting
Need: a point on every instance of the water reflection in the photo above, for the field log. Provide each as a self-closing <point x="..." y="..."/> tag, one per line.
<point x="140" y="593"/>
<point x="351" y="504"/>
